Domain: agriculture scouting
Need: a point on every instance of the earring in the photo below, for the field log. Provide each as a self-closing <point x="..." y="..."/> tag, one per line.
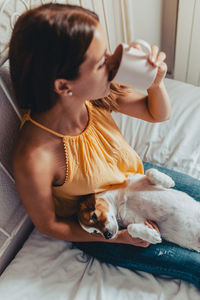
<point x="69" y="93"/>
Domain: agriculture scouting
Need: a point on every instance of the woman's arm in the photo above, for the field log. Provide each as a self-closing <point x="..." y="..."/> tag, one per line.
<point x="70" y="230"/>
<point x="154" y="107"/>
<point x="34" y="184"/>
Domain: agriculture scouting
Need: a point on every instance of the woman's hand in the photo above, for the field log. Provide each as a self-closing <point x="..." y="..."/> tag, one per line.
<point x="157" y="58"/>
<point x="152" y="225"/>
<point x="125" y="238"/>
<point x="159" y="104"/>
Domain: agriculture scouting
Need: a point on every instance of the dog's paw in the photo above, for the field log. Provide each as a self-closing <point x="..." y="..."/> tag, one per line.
<point x="157" y="177"/>
<point x="153" y="236"/>
<point x="145" y="233"/>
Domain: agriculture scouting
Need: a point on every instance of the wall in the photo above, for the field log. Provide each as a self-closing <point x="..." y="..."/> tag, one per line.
<point x="187" y="62"/>
<point x="155" y="21"/>
<point x="147" y="20"/>
<point x="126" y="20"/>
<point x="168" y="38"/>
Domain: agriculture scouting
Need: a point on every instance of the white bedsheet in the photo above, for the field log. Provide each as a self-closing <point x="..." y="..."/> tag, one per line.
<point x="47" y="268"/>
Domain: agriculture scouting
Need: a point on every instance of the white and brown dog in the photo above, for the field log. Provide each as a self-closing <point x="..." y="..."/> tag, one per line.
<point x="142" y="198"/>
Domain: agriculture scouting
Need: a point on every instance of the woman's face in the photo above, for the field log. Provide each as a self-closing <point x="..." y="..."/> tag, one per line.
<point x="93" y="82"/>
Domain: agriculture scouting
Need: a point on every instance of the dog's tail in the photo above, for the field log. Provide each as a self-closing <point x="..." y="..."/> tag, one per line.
<point x="158" y="178"/>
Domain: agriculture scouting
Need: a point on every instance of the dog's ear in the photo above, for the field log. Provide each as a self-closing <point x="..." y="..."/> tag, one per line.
<point x="87" y="202"/>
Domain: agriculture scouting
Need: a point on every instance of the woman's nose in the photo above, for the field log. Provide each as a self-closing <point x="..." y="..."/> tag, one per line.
<point x="113" y="62"/>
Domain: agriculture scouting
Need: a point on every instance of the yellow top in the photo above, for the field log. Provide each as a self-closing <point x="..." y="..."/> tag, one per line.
<point x="96" y="160"/>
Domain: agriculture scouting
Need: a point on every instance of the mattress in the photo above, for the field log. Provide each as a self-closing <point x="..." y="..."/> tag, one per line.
<point x="47" y="268"/>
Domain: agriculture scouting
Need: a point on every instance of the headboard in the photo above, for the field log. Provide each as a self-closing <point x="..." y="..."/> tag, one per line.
<point x="14" y="223"/>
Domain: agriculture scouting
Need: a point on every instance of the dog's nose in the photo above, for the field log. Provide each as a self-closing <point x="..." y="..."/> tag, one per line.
<point x="107" y="235"/>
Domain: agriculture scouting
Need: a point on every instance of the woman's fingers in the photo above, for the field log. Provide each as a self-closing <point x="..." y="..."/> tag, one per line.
<point x="153" y="55"/>
<point x="156" y="58"/>
<point x="125" y="237"/>
<point x="161" y="57"/>
<point x="152" y="225"/>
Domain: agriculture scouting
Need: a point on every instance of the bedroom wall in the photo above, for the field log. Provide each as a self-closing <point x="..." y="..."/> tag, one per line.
<point x="187" y="62"/>
<point x="147" y="20"/>
<point x="132" y="19"/>
<point x="168" y="32"/>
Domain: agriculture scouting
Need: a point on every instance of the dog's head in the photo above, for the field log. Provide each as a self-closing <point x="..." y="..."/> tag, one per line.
<point x="96" y="216"/>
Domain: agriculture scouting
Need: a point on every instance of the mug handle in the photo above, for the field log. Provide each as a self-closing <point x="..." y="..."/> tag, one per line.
<point x="145" y="45"/>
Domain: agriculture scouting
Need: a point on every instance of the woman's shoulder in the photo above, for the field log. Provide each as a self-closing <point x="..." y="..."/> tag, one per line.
<point x="32" y="151"/>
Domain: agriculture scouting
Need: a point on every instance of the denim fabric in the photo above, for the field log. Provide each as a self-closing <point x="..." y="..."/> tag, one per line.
<point x="163" y="259"/>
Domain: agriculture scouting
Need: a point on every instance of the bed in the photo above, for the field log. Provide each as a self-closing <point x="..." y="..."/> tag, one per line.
<point x="35" y="266"/>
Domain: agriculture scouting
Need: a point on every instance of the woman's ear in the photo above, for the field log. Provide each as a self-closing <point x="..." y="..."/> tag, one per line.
<point x="61" y="86"/>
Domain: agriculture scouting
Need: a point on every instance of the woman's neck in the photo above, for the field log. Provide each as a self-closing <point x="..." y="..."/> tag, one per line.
<point x="66" y="117"/>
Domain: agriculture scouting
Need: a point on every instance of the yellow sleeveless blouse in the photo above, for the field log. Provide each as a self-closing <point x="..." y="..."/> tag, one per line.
<point x="97" y="159"/>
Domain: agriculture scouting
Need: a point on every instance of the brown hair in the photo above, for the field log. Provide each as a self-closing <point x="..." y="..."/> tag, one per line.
<point x="50" y="42"/>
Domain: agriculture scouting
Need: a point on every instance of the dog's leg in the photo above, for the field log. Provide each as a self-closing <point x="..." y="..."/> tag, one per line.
<point x="156" y="177"/>
<point x="145" y="233"/>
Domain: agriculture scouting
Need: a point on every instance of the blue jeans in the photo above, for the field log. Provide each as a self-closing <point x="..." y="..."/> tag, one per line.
<point x="163" y="259"/>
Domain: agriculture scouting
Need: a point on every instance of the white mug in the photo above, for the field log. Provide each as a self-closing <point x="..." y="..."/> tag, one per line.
<point x="134" y="69"/>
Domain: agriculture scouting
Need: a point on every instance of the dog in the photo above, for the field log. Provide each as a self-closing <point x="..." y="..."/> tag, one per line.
<point x="142" y="198"/>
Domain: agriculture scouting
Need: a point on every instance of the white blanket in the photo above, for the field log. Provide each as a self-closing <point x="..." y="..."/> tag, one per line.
<point x="47" y="268"/>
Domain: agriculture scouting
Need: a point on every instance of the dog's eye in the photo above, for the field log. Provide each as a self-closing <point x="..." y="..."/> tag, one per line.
<point x="94" y="217"/>
<point x="95" y="231"/>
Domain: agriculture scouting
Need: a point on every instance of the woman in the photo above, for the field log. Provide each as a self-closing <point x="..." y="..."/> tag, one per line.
<point x="69" y="144"/>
